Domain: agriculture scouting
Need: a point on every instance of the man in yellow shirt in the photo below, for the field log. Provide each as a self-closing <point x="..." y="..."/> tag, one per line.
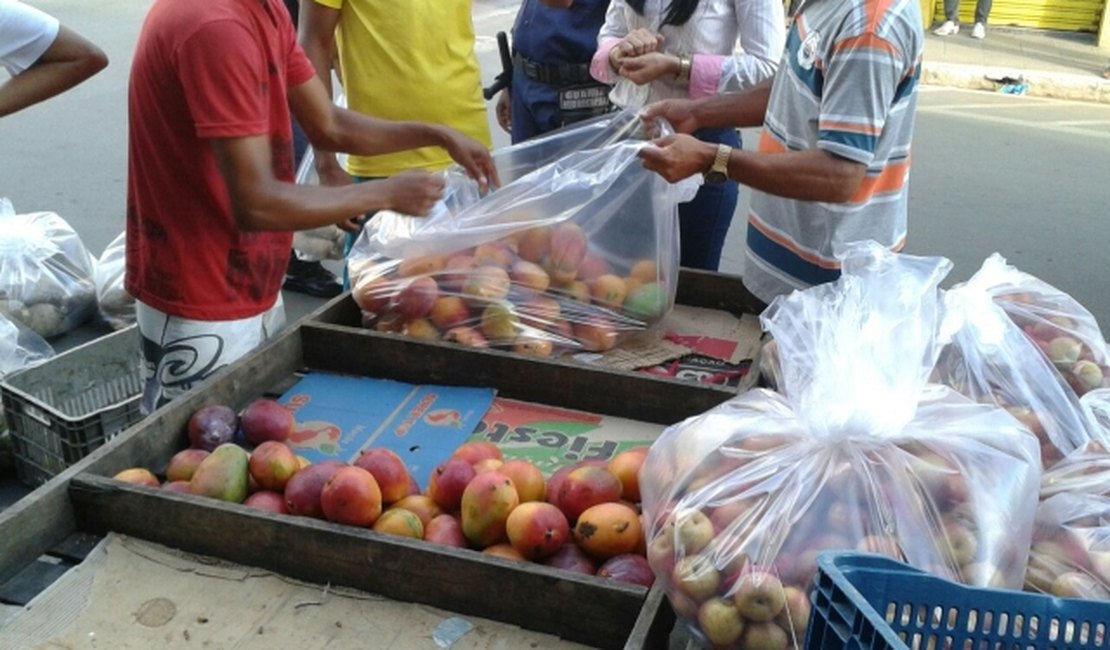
<point x="411" y="60"/>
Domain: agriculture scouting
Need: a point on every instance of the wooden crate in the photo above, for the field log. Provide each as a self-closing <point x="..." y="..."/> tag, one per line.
<point x="584" y="609"/>
<point x="695" y="288"/>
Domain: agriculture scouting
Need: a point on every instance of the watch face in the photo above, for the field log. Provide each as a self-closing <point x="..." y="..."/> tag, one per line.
<point x="715" y="177"/>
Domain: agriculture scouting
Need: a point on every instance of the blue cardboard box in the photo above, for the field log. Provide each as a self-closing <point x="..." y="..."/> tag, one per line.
<point x="339" y="416"/>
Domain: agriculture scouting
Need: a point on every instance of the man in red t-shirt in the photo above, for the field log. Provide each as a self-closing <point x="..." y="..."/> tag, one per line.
<point x="211" y="203"/>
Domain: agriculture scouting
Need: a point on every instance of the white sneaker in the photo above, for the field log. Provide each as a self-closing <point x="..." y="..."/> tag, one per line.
<point x="947" y="29"/>
<point x="979" y="31"/>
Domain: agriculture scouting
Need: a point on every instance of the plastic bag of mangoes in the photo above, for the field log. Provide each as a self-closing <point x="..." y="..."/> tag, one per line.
<point x="988" y="358"/>
<point x="576" y="251"/>
<point x="857" y="452"/>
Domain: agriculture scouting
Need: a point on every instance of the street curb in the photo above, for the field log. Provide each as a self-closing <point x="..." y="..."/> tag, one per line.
<point x="1057" y="85"/>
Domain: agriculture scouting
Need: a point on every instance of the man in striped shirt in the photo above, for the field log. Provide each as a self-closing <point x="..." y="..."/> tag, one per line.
<point x="834" y="153"/>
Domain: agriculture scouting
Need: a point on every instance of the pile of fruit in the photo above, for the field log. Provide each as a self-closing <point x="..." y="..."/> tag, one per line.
<point x="1070" y="557"/>
<point x="584" y="518"/>
<point x="541" y="291"/>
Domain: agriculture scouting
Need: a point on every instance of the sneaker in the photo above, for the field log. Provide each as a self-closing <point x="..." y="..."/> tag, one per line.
<point x="979" y="31"/>
<point x="947" y="29"/>
<point x="311" y="278"/>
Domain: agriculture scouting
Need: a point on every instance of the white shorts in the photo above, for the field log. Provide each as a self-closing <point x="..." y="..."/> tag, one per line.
<point x="179" y="353"/>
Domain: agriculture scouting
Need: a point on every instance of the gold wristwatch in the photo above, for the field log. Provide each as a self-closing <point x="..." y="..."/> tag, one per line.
<point x="718" y="172"/>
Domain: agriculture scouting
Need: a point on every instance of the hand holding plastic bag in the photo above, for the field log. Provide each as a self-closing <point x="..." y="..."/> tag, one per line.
<point x="988" y="358"/>
<point x="45" y="272"/>
<point x="573" y="255"/>
<point x="856" y="453"/>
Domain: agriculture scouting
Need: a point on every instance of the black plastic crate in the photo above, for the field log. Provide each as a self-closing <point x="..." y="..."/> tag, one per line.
<point x="59" y="411"/>
<point x="871" y="602"/>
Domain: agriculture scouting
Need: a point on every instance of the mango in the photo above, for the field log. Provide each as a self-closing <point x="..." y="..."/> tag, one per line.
<point x="351" y="496"/>
<point x="592" y="267"/>
<point x="530" y="275"/>
<point x="537" y="529"/>
<point x="647" y="303"/>
<point x="400" y="522"/>
<point x="486" y="283"/>
<point x="504" y="551"/>
<point x="268" y="501"/>
<point x="422" y="265"/>
<point x="527" y="479"/>
<point x="417" y="297"/>
<point x="212" y="426"/>
<point x="586" y="487"/>
<point x="568" y="248"/>
<point x="500" y="321"/>
<point x="184" y="463"/>
<point x="222" y="475"/>
<point x="138" y="476"/>
<point x="646" y="271"/>
<point x="388" y="469"/>
<point x="495" y="253"/>
<point x="374" y="294"/>
<point x="448" y="312"/>
<point x="421" y="505"/>
<point x="264" y="419"/>
<point x="626" y="467"/>
<point x="272" y="464"/>
<point x="534" y="244"/>
<point x="445" y="529"/>
<point x="486" y="504"/>
<point x="476" y="451"/>
<point x="421" y="329"/>
<point x="302" y="491"/>
<point x="467" y="336"/>
<point x="448" y="481"/>
<point x="608" y="530"/>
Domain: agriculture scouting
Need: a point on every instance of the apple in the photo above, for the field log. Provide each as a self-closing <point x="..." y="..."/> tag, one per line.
<point x="696" y="576"/>
<point x="694" y="531"/>
<point x="759" y="596"/>
<point x="960" y="543"/>
<point x="1074" y="584"/>
<point x="720" y="621"/>
<point x="794" y="618"/>
<point x="764" y="636"/>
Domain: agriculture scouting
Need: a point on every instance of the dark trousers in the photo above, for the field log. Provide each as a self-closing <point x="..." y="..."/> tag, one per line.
<point x="703" y="222"/>
<point x="952" y="9"/>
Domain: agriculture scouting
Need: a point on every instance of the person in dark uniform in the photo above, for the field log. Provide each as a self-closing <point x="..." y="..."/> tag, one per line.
<point x="551" y="85"/>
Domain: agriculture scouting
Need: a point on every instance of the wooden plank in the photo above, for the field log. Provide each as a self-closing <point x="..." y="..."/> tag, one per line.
<point x="34" y="577"/>
<point x="653" y="627"/>
<point x="44" y="518"/>
<point x="584" y="609"/>
<point x="698" y="288"/>
<point x="75" y="548"/>
<point x="635" y="395"/>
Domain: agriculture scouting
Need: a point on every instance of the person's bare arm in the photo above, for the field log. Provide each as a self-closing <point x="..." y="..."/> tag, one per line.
<point x="730" y="110"/>
<point x="259" y="201"/>
<point x="332" y="128"/>
<point x="68" y="61"/>
<point x="316" y="33"/>
<point x="811" y="175"/>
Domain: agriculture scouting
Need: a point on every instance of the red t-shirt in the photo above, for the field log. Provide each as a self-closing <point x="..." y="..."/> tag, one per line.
<point x="204" y="70"/>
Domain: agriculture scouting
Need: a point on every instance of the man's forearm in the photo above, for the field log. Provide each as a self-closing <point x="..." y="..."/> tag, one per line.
<point x="362" y="135"/>
<point x="734" y="110"/>
<point x="812" y="175"/>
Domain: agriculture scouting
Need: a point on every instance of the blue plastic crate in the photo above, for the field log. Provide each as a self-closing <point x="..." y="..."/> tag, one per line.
<point x="872" y="602"/>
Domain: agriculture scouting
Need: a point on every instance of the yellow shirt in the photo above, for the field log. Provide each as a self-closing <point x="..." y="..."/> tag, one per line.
<point x="410" y="60"/>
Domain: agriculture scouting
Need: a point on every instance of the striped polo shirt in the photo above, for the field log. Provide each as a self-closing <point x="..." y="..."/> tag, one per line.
<point x="847" y="84"/>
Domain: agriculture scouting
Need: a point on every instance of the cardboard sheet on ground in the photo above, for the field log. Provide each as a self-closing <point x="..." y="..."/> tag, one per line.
<point x="551" y="437"/>
<point x="130" y="594"/>
<point x="338" y="416"/>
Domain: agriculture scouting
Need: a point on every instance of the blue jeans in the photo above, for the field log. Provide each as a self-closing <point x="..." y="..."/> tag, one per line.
<point x="703" y="222"/>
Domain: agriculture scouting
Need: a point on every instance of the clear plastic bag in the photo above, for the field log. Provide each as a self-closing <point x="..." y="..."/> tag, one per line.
<point x="117" y="307"/>
<point x="988" y="358"/>
<point x="1058" y="325"/>
<point x="856" y="453"/>
<point x="575" y="252"/>
<point x="20" y="348"/>
<point x="1070" y="557"/>
<point x="1085" y="470"/>
<point x="46" y="273"/>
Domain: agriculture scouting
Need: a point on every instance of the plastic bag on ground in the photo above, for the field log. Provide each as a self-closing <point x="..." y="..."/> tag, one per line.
<point x="1070" y="557"/>
<point x="574" y="254"/>
<point x="988" y="358"/>
<point x="1058" y="325"/>
<point x="117" y="307"/>
<point x="856" y="453"/>
<point x="20" y="348"/>
<point x="46" y="273"/>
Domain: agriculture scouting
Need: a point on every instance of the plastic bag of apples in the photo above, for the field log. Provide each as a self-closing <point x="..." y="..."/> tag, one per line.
<point x="1070" y="557"/>
<point x="988" y="358"/>
<point x="857" y="452"/>
<point x="1058" y="325"/>
<point x="576" y="251"/>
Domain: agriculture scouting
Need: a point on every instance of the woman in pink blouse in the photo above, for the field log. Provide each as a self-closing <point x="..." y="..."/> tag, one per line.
<point x="655" y="49"/>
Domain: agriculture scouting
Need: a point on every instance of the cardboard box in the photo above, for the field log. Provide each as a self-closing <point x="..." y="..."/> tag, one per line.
<point x="339" y="416"/>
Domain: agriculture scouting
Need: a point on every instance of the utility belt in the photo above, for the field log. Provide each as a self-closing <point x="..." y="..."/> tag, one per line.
<point x="580" y="96"/>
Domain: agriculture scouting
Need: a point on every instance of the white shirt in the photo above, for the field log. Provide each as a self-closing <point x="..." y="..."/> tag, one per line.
<point x="25" y="34"/>
<point x="749" y="34"/>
